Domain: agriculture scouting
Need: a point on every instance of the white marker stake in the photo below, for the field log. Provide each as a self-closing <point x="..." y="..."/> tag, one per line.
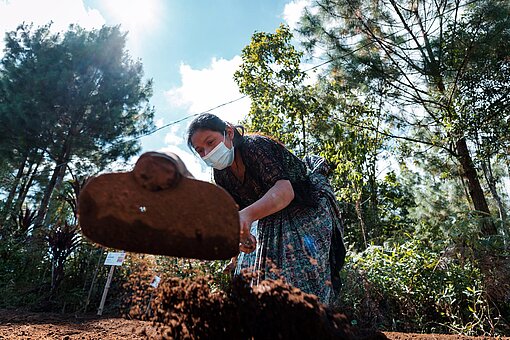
<point x="155" y="284"/>
<point x="105" y="291"/>
<point x="112" y="260"/>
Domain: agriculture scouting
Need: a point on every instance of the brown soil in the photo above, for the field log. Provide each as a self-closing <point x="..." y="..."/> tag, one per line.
<point x="191" y="309"/>
<point x="16" y="324"/>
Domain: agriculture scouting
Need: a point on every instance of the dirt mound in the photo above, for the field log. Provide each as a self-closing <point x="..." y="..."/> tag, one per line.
<point x="190" y="309"/>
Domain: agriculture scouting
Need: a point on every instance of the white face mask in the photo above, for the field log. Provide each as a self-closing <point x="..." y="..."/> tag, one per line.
<point x="220" y="157"/>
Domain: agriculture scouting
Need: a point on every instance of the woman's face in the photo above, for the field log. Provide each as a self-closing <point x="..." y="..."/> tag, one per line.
<point x="205" y="140"/>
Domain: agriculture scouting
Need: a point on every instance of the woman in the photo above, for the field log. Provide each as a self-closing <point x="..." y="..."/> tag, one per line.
<point x="299" y="227"/>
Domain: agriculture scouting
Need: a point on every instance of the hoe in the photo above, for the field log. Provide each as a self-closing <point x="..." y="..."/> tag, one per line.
<point x="159" y="208"/>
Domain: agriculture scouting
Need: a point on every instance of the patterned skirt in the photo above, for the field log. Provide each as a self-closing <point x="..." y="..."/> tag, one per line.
<point x="302" y="244"/>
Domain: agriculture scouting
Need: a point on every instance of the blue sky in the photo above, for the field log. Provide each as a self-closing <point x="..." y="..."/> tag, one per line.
<point x="190" y="48"/>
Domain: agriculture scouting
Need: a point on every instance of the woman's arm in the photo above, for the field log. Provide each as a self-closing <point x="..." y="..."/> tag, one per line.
<point x="274" y="200"/>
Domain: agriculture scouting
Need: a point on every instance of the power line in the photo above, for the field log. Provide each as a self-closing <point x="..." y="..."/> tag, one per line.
<point x="351" y="52"/>
<point x="179" y="120"/>
<point x="242" y="97"/>
<point x="188" y="117"/>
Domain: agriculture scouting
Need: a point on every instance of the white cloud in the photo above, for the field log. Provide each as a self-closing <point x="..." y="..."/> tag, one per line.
<point x="135" y="14"/>
<point x="207" y="88"/>
<point x="62" y="13"/>
<point x="159" y="122"/>
<point x="202" y="90"/>
<point x="138" y="17"/>
<point x="293" y="11"/>
<point x="175" y="136"/>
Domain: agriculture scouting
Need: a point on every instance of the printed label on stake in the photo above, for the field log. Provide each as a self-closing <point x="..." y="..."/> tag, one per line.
<point x="114" y="259"/>
<point x="155" y="281"/>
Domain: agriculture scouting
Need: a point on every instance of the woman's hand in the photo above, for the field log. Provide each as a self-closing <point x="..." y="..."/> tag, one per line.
<point x="245" y="222"/>
<point x="249" y="245"/>
<point x="247" y="242"/>
<point x="275" y="199"/>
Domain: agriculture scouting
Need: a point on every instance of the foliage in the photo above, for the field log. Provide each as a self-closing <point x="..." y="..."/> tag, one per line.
<point x="409" y="286"/>
<point x="417" y="57"/>
<point x="346" y="138"/>
<point x="270" y="74"/>
<point x="396" y="202"/>
<point x="431" y="95"/>
<point x="436" y="280"/>
<point x="64" y="97"/>
<point x="70" y="104"/>
<point x="338" y="127"/>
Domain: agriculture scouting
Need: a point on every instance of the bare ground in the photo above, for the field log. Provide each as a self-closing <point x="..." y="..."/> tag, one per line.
<point x="17" y="324"/>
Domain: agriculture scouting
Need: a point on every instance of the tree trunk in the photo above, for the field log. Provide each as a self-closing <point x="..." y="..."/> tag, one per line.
<point x="54" y="184"/>
<point x="465" y="187"/>
<point x="372" y="176"/>
<point x="374" y="201"/>
<point x="43" y="208"/>
<point x="27" y="182"/>
<point x="359" y="213"/>
<point x="10" y="198"/>
<point x="491" y="181"/>
<point x="303" y="130"/>
<point x="474" y="186"/>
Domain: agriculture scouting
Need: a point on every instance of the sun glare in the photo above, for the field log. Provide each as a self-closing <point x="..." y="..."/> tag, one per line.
<point x="134" y="14"/>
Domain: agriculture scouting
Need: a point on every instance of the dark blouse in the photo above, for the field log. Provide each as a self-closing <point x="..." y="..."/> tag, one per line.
<point x="266" y="162"/>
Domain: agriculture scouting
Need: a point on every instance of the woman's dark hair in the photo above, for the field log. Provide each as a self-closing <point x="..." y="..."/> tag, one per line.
<point x="208" y="121"/>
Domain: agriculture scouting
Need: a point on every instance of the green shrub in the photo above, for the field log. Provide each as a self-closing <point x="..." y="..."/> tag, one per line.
<point x="408" y="286"/>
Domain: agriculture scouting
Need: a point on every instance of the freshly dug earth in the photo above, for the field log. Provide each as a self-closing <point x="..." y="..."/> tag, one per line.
<point x="184" y="308"/>
<point x="189" y="309"/>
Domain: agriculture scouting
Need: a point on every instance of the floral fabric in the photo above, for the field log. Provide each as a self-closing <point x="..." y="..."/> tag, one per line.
<point x="303" y="242"/>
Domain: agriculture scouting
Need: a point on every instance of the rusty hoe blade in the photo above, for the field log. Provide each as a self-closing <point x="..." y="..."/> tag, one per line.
<point x="158" y="208"/>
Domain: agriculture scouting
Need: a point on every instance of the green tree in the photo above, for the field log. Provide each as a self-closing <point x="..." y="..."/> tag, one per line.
<point x="420" y="51"/>
<point x="347" y="136"/>
<point x="68" y="96"/>
<point x="484" y="83"/>
<point x="271" y="76"/>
